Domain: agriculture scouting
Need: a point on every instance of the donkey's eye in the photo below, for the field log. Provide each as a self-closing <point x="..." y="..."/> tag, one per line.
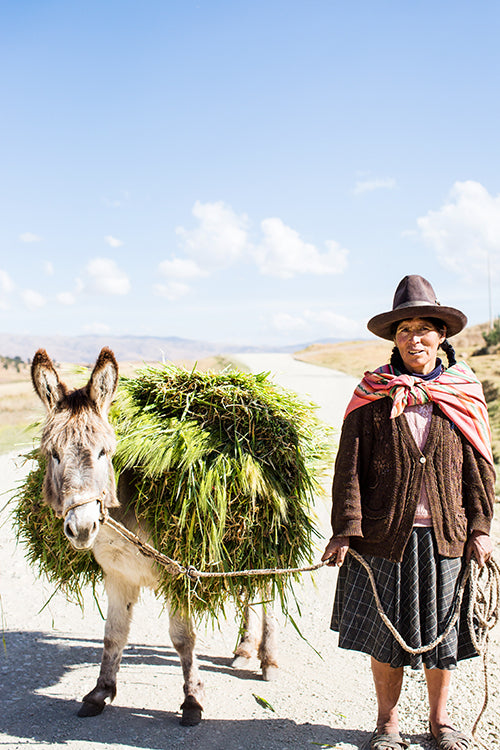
<point x="55" y="456"/>
<point x="102" y="453"/>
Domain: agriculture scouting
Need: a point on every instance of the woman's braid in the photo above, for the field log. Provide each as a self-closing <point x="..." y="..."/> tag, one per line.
<point x="450" y="352"/>
<point x="397" y="360"/>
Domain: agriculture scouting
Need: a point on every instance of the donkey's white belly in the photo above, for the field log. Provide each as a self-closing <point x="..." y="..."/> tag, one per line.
<point x="119" y="557"/>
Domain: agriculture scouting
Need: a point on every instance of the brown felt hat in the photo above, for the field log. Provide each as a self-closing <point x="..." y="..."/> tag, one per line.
<point x="415" y="298"/>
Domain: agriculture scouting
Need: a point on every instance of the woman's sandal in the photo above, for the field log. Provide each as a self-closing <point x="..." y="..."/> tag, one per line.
<point x="450" y="739"/>
<point x="392" y="741"/>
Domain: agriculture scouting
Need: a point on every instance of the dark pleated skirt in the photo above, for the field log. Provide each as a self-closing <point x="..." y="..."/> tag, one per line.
<point x="418" y="595"/>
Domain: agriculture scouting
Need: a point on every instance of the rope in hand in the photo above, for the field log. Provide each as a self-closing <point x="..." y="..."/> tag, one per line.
<point x="176" y="568"/>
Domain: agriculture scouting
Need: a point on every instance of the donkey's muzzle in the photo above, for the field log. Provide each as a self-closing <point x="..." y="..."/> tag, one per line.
<point x="81" y="523"/>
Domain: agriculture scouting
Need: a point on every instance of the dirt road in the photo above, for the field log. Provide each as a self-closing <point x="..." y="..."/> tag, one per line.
<point x="323" y="696"/>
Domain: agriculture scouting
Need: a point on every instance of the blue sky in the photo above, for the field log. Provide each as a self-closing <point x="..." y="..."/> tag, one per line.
<point x="248" y="172"/>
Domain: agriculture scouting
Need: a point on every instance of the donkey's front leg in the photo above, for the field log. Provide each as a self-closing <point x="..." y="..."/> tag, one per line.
<point x="121" y="599"/>
<point x="183" y="637"/>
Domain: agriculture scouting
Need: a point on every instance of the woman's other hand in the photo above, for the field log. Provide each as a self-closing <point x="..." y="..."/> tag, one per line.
<point x="336" y="550"/>
<point x="479" y="545"/>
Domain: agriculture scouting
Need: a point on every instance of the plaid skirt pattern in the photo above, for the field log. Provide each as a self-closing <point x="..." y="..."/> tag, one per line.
<point x="418" y="596"/>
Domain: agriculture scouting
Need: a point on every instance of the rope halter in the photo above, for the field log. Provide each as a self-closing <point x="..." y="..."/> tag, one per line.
<point x="98" y="498"/>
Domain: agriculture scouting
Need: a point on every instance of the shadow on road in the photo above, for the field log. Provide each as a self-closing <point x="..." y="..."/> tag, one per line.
<point x="31" y="662"/>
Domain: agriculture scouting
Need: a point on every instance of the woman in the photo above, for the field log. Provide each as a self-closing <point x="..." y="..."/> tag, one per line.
<point x="413" y="493"/>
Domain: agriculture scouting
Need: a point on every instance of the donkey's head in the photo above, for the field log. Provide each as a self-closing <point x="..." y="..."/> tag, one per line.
<point x="78" y="443"/>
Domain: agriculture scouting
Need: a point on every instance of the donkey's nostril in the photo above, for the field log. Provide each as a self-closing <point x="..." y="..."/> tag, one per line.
<point x="69" y="531"/>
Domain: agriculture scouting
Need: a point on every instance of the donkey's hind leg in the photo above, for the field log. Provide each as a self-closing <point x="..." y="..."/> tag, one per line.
<point x="259" y="637"/>
<point x="121" y="599"/>
<point x="183" y="637"/>
<point x="268" y="647"/>
<point x="250" y="637"/>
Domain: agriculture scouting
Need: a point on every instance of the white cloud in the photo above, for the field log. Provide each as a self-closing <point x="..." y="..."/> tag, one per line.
<point x="116" y="202"/>
<point x="177" y="271"/>
<point x="172" y="290"/>
<point x="29" y="237"/>
<point x="368" y="186"/>
<point x="222" y="238"/>
<point x="336" y="326"/>
<point x="48" y="268"/>
<point x="318" y="324"/>
<point x="98" y="329"/>
<point x="181" y="268"/>
<point x="66" y="298"/>
<point x="33" y="300"/>
<point x="6" y="283"/>
<point x="113" y="241"/>
<point x="284" y="254"/>
<point x="106" y="277"/>
<point x="6" y="287"/>
<point x="219" y="240"/>
<point x="465" y="231"/>
<point x="286" y="323"/>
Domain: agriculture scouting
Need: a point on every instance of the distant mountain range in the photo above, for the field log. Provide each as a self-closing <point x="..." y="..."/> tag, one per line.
<point x="84" y="349"/>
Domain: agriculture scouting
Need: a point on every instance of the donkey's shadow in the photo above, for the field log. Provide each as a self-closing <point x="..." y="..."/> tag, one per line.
<point x="31" y="662"/>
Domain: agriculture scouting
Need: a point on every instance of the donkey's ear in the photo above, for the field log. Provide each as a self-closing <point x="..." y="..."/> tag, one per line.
<point x="102" y="383"/>
<point x="46" y="380"/>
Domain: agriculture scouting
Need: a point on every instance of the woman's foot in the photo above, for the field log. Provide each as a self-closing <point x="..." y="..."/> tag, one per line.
<point x="441" y="728"/>
<point x="447" y="738"/>
<point x="388" y="681"/>
<point x="387" y="741"/>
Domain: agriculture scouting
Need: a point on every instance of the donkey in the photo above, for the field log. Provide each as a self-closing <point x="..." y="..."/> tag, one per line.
<point x="78" y="443"/>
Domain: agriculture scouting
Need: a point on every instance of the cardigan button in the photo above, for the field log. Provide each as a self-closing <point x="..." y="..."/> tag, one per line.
<point x="422" y="459"/>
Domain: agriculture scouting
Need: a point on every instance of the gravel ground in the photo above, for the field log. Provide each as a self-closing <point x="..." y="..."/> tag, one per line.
<point x="322" y="698"/>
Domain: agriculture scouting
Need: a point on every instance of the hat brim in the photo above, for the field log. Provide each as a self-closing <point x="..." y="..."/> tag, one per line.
<point x="381" y="325"/>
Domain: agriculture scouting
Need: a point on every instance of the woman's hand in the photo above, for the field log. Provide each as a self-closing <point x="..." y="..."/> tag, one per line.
<point x="336" y="550"/>
<point x="479" y="545"/>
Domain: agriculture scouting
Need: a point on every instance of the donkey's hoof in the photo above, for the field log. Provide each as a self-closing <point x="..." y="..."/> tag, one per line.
<point x="95" y="701"/>
<point x="270" y="672"/>
<point x="191" y="712"/>
<point x="89" y="708"/>
<point x="241" y="662"/>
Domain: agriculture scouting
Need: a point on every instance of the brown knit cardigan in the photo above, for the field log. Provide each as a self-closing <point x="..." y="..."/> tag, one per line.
<point x="379" y="472"/>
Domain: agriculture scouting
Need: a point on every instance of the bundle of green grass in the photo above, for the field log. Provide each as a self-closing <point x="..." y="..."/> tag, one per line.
<point x="226" y="467"/>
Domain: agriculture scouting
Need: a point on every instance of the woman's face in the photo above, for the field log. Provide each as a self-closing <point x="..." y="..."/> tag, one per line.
<point x="418" y="340"/>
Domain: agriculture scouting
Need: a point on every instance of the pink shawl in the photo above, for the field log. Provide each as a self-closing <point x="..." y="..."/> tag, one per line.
<point x="457" y="391"/>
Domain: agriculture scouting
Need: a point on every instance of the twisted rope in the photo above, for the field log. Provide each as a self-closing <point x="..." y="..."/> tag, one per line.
<point x="172" y="566"/>
<point x="176" y="568"/>
<point x="399" y="638"/>
<point x="484" y="609"/>
<point x="482" y="615"/>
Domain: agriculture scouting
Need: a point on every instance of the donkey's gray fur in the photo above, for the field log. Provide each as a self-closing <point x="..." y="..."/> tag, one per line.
<point x="78" y="442"/>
